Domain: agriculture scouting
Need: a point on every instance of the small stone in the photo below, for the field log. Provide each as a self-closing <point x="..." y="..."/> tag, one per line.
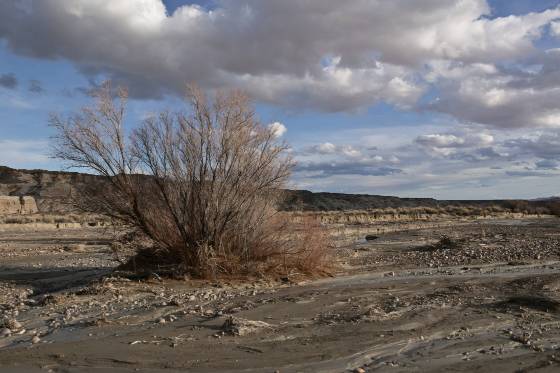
<point x="13" y="324"/>
<point x="35" y="339"/>
<point x="359" y="370"/>
<point x="161" y="320"/>
<point x="5" y="332"/>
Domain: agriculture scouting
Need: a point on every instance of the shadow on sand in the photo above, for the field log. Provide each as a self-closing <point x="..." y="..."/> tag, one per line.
<point x="48" y="280"/>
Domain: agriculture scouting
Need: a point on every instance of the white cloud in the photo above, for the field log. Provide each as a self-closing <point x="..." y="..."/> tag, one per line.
<point x="491" y="165"/>
<point x="549" y="119"/>
<point x="482" y="139"/>
<point x="280" y="51"/>
<point x="514" y="97"/>
<point x="440" y="141"/>
<point x="325" y="148"/>
<point x="555" y="28"/>
<point x="278" y="129"/>
<point x="328" y="148"/>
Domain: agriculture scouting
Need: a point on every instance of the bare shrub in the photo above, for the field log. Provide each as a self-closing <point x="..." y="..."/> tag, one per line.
<point x="554" y="208"/>
<point x="309" y="249"/>
<point x="201" y="186"/>
<point x="444" y="243"/>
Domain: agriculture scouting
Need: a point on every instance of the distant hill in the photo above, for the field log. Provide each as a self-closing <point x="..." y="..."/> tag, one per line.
<point x="53" y="190"/>
<point x="548" y="199"/>
<point x="307" y="201"/>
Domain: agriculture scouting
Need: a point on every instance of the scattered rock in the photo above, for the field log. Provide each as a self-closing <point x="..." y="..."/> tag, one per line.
<point x="238" y="326"/>
<point x="5" y="332"/>
<point x="13" y="324"/>
<point x="35" y="339"/>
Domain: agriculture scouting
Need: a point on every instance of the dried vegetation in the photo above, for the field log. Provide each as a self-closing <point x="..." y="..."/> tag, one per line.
<point x="199" y="189"/>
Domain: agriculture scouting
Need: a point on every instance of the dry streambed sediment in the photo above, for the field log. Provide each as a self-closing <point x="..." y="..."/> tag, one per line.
<point x="403" y="302"/>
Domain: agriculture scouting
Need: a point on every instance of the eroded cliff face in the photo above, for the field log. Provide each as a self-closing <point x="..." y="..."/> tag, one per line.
<point x="18" y="205"/>
<point x="52" y="191"/>
<point x="408" y="215"/>
<point x="352" y="226"/>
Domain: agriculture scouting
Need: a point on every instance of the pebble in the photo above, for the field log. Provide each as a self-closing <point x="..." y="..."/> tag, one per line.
<point x="13" y="324"/>
<point x="35" y="339"/>
<point x="5" y="332"/>
<point x="161" y="320"/>
<point x="359" y="370"/>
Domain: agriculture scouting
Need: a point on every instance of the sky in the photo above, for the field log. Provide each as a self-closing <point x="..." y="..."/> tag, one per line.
<point x="451" y="99"/>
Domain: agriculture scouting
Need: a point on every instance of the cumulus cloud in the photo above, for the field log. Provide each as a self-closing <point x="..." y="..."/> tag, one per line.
<point x="359" y="168"/>
<point x="555" y="28"/>
<point x="466" y="146"/>
<point x="312" y="54"/>
<point x="511" y="96"/>
<point x="328" y="148"/>
<point x="8" y="81"/>
<point x="479" y="155"/>
<point x="440" y="141"/>
<point x="460" y="162"/>
<point x="278" y="129"/>
<point x="545" y="145"/>
<point x="326" y="160"/>
<point x="325" y="148"/>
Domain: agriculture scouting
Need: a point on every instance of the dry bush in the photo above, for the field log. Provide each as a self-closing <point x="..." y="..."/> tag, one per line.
<point x="15" y="219"/>
<point x="201" y="187"/>
<point x="309" y="249"/>
<point x="301" y="247"/>
<point x="554" y="208"/>
<point x="518" y="206"/>
<point x="444" y="243"/>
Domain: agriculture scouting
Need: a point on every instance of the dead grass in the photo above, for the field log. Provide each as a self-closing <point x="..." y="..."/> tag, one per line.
<point x="83" y="219"/>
